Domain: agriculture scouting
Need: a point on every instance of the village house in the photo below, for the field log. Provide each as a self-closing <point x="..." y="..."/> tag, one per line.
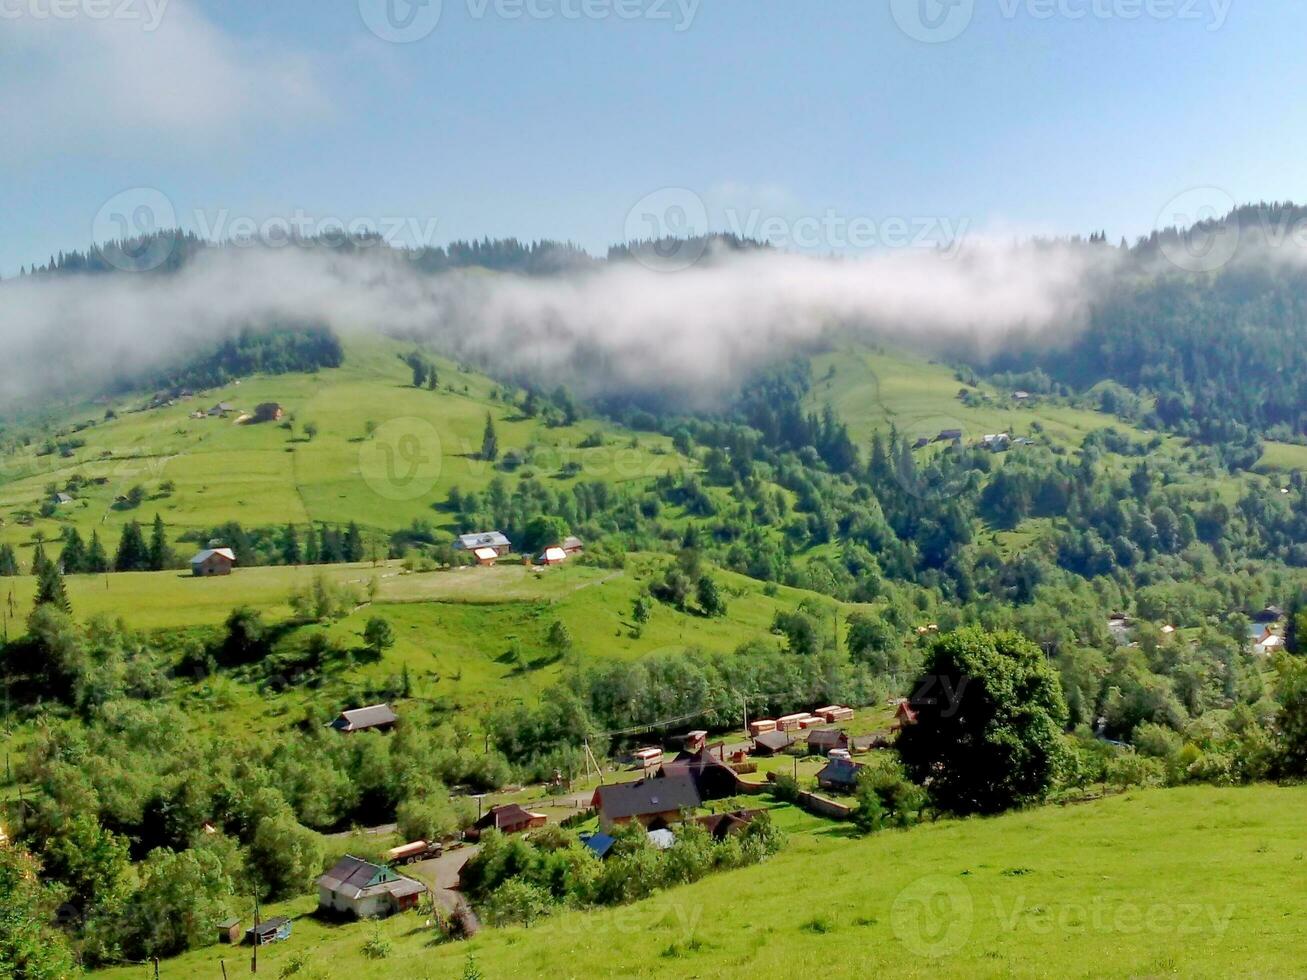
<point x="484" y="539"/>
<point x="822" y="740"/>
<point x="572" y="545"/>
<point x="713" y="779"/>
<point x="378" y="717"/>
<point x="949" y="435"/>
<point x="904" y="715"/>
<point x="366" y="890"/>
<point x="652" y="803"/>
<point x="839" y="776"/>
<point x="552" y="556"/>
<point x="508" y="818"/>
<point x="772" y="743"/>
<point x="723" y="825"/>
<point x="213" y="561"/>
<point x="486" y="557"/>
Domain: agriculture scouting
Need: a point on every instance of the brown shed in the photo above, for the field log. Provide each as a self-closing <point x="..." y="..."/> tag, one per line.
<point x="229" y="931"/>
<point x="213" y="561"/>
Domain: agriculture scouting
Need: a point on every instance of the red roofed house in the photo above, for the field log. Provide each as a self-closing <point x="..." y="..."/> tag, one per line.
<point x="905" y="715"/>
<point x="508" y="819"/>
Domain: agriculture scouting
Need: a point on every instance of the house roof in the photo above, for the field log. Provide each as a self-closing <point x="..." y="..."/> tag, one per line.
<point x="722" y="824"/>
<point x="355" y="878"/>
<point x="369" y="717"/>
<point x="697" y="766"/>
<point x="600" y="844"/>
<point x="831" y="738"/>
<point x="774" y="740"/>
<point x="840" y="771"/>
<point x="571" y="543"/>
<point x="483" y="539"/>
<point x="661" y="839"/>
<point x="268" y="926"/>
<point x="645" y="796"/>
<point x="553" y="554"/>
<point x="208" y="553"/>
<point x="486" y="553"/>
<point x="506" y="815"/>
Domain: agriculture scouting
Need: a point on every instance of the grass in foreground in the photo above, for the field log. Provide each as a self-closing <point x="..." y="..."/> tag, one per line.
<point x="1194" y="882"/>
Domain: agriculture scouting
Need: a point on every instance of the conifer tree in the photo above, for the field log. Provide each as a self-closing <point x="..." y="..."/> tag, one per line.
<point x="50" y="588"/>
<point x="8" y="561"/>
<point x="73" y="556"/>
<point x="290" y="547"/>
<point x="132" y="556"/>
<point x="490" y="441"/>
<point x="159" y="555"/>
<point x="96" y="560"/>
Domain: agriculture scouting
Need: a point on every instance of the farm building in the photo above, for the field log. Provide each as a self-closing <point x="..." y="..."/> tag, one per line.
<point x="772" y="743"/>
<point x="272" y="930"/>
<point x="1271" y="614"/>
<point x="374" y="716"/>
<point x="486" y="556"/>
<point x="904" y="715"/>
<point x="213" y="561"/>
<point x="229" y="931"/>
<point x="712" y="777"/>
<point x="921" y="443"/>
<point x="949" y="435"/>
<point x="552" y="556"/>
<point x="723" y="825"/>
<point x="507" y="819"/>
<point x="365" y="890"/>
<point x="652" y="803"/>
<point x="839" y="775"/>
<point x="484" y="539"/>
<point x="61" y="499"/>
<point x="572" y="545"/>
<point x="822" y="740"/>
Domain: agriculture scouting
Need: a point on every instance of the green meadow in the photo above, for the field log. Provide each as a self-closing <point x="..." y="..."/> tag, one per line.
<point x="1194" y="882"/>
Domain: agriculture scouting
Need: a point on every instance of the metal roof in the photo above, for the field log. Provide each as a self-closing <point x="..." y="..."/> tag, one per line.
<point x="369" y="717"/>
<point x="208" y="553"/>
<point x="647" y="796"/>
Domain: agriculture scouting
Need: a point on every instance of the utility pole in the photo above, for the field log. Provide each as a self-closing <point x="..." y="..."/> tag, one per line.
<point x="254" y="957"/>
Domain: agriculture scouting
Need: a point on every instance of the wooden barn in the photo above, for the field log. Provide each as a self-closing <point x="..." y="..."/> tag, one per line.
<point x="507" y="819"/>
<point x="213" y="561"/>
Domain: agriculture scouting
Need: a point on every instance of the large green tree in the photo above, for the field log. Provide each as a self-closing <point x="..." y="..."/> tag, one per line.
<point x="989" y="723"/>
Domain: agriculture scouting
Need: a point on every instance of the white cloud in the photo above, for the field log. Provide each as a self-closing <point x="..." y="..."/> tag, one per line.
<point x="82" y="82"/>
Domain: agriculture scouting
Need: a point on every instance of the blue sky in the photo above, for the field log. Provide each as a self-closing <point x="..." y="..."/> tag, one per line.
<point x="1040" y="116"/>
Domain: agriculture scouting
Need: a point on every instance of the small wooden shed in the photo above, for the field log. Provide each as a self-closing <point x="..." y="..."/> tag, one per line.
<point x="229" y="931"/>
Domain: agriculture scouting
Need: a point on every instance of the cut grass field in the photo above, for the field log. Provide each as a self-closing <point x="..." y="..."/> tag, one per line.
<point x="1194" y="882"/>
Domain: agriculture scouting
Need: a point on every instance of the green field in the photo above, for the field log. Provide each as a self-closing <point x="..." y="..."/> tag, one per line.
<point x="424" y="443"/>
<point x="1183" y="882"/>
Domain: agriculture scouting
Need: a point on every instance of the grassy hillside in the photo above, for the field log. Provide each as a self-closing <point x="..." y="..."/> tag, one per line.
<point x="1183" y="882"/>
<point x="425" y="442"/>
